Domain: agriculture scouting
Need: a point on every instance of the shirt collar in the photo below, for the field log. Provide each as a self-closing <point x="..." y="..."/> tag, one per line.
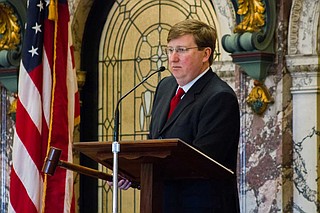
<point x="189" y="85"/>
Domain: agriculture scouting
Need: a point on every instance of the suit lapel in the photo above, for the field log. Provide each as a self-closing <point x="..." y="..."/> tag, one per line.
<point x="166" y="102"/>
<point x="189" y="97"/>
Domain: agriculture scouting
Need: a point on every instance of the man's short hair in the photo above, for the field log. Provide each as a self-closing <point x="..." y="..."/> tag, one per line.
<point x="204" y="34"/>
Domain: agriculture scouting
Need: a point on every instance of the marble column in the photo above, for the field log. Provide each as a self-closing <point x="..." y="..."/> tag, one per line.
<point x="305" y="95"/>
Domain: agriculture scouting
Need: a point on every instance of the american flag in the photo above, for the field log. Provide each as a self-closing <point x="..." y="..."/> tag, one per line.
<point x="47" y="111"/>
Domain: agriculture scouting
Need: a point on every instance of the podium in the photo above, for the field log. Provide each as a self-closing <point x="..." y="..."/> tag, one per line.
<point x="151" y="162"/>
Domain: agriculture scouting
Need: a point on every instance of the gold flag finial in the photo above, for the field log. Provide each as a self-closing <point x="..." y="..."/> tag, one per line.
<point x="52" y="10"/>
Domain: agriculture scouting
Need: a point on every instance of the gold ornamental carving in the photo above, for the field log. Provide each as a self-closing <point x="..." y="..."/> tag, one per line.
<point x="253" y="16"/>
<point x="259" y="98"/>
<point x="9" y="28"/>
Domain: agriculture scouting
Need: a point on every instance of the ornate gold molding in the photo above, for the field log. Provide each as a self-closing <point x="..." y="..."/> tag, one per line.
<point x="259" y="98"/>
<point x="10" y="36"/>
<point x="253" y="16"/>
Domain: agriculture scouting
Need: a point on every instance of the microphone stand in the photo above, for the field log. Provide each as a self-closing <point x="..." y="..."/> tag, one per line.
<point x="116" y="145"/>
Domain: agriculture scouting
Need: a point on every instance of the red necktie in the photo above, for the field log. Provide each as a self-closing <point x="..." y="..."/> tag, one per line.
<point x="175" y="100"/>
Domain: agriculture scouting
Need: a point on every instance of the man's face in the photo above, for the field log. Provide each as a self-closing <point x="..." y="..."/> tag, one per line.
<point x="187" y="64"/>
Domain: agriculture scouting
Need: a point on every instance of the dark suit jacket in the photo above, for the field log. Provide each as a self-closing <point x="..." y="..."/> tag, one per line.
<point x="207" y="118"/>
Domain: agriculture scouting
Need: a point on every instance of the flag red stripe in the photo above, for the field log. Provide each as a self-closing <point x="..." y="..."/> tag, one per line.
<point x="18" y="188"/>
<point x="29" y="137"/>
<point x="27" y="172"/>
<point x="36" y="77"/>
<point x="48" y="40"/>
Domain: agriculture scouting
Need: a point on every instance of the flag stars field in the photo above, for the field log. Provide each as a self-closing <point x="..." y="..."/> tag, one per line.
<point x="37" y="28"/>
<point x="33" y="51"/>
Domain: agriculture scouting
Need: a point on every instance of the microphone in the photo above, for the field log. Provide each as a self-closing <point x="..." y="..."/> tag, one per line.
<point x="116" y="114"/>
<point x="116" y="145"/>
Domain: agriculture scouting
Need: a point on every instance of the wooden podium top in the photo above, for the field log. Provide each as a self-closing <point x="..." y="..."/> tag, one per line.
<point x="172" y="159"/>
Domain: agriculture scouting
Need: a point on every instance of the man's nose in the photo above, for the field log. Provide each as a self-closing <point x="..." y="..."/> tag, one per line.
<point x="174" y="56"/>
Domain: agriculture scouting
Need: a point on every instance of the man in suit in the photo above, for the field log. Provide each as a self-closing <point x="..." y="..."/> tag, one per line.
<point x="206" y="117"/>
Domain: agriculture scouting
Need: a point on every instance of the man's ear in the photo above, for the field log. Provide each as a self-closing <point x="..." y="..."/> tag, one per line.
<point x="207" y="53"/>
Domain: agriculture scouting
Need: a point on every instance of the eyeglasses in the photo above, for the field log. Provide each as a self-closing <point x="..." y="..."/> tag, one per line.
<point x="179" y="50"/>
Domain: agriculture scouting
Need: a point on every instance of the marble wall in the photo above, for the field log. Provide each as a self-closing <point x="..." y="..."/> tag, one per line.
<point x="6" y="141"/>
<point x="303" y="63"/>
